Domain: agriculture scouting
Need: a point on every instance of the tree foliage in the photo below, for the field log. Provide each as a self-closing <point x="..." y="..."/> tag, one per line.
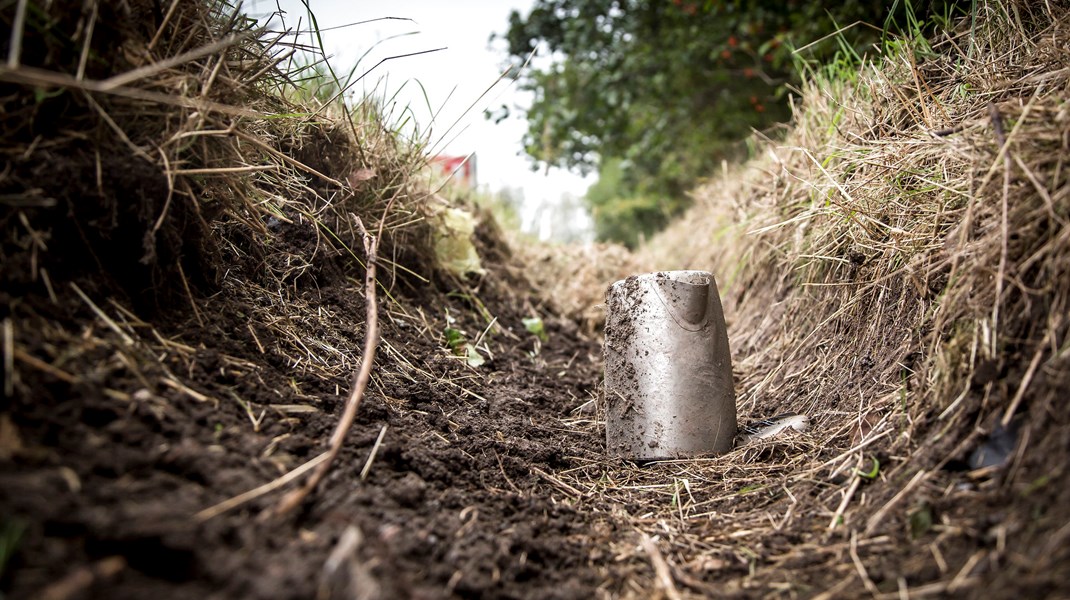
<point x="655" y="94"/>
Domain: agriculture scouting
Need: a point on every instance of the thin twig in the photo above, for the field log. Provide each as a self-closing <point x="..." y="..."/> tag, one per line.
<point x="117" y="129"/>
<point x="15" y="47"/>
<point x="163" y="24"/>
<point x="31" y="361"/>
<point x="9" y="358"/>
<point x="843" y="503"/>
<point x="344" y="89"/>
<point x="129" y="341"/>
<point x="1026" y="379"/>
<point x="224" y="170"/>
<point x="31" y="76"/>
<point x="661" y="568"/>
<point x="371" y="455"/>
<point x="236" y="501"/>
<point x="84" y="58"/>
<point x="557" y="482"/>
<point x="189" y="294"/>
<point x="963" y="576"/>
<point x="861" y="568"/>
<point x="170" y="190"/>
<point x="289" y="159"/>
<point x="507" y="480"/>
<point x="878" y="516"/>
<point x="123" y="79"/>
<point x="76" y="583"/>
<point x="997" y="125"/>
<point x="360" y="380"/>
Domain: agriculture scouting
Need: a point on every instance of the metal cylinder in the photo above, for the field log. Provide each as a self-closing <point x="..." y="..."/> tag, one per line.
<point x="668" y="381"/>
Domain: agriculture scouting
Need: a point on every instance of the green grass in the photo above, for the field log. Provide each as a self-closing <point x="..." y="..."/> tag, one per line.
<point x="11" y="530"/>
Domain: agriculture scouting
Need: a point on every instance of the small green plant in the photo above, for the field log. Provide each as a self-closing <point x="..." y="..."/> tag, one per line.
<point x="1036" y="484"/>
<point x="873" y="472"/>
<point x="460" y="346"/>
<point x="921" y="521"/>
<point x="535" y="327"/>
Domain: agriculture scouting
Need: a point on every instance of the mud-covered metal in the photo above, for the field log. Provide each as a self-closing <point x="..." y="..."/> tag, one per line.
<point x="772" y="427"/>
<point x="668" y="379"/>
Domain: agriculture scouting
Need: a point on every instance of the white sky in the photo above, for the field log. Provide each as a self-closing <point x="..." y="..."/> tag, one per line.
<point x="453" y="78"/>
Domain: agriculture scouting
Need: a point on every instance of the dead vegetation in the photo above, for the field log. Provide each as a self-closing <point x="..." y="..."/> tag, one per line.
<point x="183" y="308"/>
<point x="199" y="104"/>
<point x="897" y="269"/>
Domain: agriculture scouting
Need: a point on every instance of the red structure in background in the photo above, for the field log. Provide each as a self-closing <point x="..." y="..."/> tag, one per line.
<point x="461" y="168"/>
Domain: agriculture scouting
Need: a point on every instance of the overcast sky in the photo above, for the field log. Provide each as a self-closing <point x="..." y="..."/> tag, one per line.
<point x="453" y="78"/>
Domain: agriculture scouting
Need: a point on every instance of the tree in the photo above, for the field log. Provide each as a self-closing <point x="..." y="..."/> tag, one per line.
<point x="659" y="92"/>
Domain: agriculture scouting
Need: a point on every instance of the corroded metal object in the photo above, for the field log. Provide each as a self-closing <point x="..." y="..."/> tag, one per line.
<point x="668" y="380"/>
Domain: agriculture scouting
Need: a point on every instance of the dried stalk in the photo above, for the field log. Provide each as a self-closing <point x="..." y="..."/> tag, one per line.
<point x="360" y="381"/>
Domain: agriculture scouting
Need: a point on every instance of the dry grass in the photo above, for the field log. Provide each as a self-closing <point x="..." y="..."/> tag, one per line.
<point x="574" y="278"/>
<point x="897" y="269"/>
<point x="249" y="168"/>
<point x="241" y="142"/>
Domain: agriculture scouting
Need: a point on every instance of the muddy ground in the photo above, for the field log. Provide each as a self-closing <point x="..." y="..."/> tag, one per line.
<point x="106" y="471"/>
<point x="125" y="429"/>
<point x="130" y="415"/>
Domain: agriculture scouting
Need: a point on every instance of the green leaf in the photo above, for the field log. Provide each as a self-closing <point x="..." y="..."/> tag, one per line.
<point x="872" y="473"/>
<point x="473" y="357"/>
<point x="1036" y="484"/>
<point x="534" y="325"/>
<point x="457" y="343"/>
<point x="454" y="339"/>
<point x="41" y="94"/>
<point x="921" y="521"/>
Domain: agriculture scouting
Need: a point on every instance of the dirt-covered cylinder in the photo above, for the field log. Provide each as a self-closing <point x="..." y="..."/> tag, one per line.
<point x="668" y="378"/>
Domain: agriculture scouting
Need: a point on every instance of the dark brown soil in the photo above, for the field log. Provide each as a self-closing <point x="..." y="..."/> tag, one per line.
<point x="116" y="435"/>
<point x="167" y="349"/>
<point x="116" y="465"/>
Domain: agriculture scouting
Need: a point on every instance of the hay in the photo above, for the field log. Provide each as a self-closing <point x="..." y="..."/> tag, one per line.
<point x="192" y="168"/>
<point x="574" y="278"/>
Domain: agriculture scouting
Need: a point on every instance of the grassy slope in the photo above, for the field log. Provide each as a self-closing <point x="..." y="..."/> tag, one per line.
<point x="897" y="268"/>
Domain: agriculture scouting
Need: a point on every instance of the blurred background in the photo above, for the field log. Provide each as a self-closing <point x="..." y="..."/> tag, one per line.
<point x="591" y="119"/>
